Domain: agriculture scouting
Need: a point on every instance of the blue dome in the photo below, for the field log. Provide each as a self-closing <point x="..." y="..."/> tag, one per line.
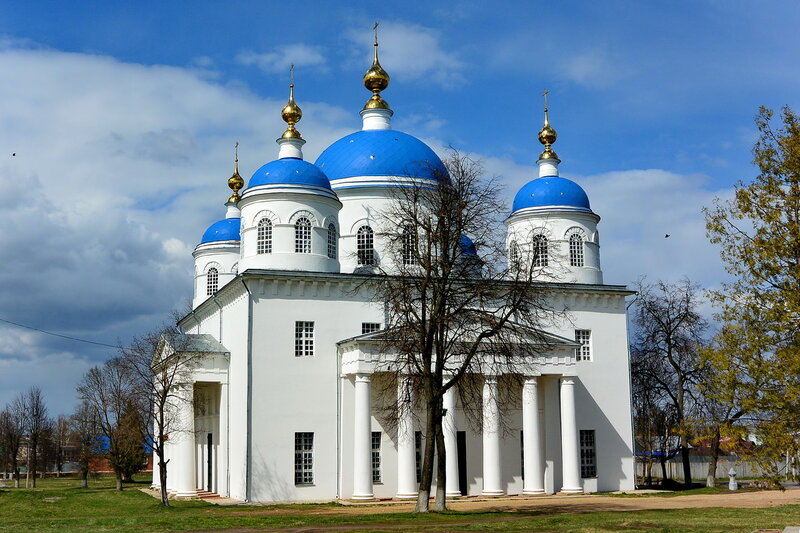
<point x="226" y="229"/>
<point x="551" y="191"/>
<point x="380" y="153"/>
<point x="467" y="246"/>
<point x="291" y="171"/>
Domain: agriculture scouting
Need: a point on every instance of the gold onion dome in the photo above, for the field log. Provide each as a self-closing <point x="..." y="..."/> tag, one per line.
<point x="376" y="80"/>
<point x="547" y="135"/>
<point x="235" y="182"/>
<point x="291" y="114"/>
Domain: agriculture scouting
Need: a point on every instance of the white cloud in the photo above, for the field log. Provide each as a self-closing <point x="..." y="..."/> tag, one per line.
<point x="279" y="60"/>
<point x="118" y="170"/>
<point x="411" y="51"/>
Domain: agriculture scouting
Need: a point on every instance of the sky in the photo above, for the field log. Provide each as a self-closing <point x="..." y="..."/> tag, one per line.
<point x="118" y="121"/>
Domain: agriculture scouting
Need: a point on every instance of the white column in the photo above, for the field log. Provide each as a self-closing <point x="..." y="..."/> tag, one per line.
<point x="156" y="484"/>
<point x="185" y="485"/>
<point x="362" y="443"/>
<point x="570" y="475"/>
<point x="450" y="444"/>
<point x="492" y="474"/>
<point x="533" y="482"/>
<point x="406" y="452"/>
<point x="222" y="453"/>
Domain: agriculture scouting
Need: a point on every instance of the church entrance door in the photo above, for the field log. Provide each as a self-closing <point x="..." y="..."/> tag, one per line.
<point x="209" y="461"/>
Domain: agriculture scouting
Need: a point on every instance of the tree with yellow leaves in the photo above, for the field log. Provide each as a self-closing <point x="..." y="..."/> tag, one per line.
<point x="758" y="231"/>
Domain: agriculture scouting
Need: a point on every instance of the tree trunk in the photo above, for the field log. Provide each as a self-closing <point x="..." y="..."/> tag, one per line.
<point x="648" y="470"/>
<point x="85" y="479"/>
<point x="16" y="475"/>
<point x="663" y="461"/>
<point x="162" y="476"/>
<point x="440" y="504"/>
<point x="687" y="466"/>
<point x="423" y="504"/>
<point x="119" y="480"/>
<point x="711" y="477"/>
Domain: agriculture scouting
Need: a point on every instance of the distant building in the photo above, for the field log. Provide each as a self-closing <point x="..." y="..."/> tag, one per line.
<point x="285" y="404"/>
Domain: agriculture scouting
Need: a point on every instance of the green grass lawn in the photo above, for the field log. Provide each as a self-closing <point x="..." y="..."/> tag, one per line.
<point x="59" y="505"/>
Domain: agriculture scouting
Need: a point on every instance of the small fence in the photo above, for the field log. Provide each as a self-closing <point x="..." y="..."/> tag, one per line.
<point x="699" y="467"/>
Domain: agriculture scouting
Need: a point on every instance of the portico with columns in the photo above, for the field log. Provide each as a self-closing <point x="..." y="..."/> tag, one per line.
<point x="543" y="469"/>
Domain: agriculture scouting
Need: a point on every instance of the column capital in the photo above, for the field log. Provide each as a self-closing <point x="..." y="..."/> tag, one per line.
<point x="363" y="378"/>
<point x="568" y="380"/>
<point x="490" y="378"/>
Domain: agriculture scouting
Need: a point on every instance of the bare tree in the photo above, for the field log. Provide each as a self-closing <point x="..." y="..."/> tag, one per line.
<point x="61" y="439"/>
<point x="36" y="424"/>
<point x="85" y="430"/>
<point x="449" y="313"/>
<point x="155" y="373"/>
<point x="108" y="391"/>
<point x="12" y="429"/>
<point x="668" y="336"/>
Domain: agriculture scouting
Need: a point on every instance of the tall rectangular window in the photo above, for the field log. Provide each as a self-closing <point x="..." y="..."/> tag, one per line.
<point x="584" y="337"/>
<point x="369" y="327"/>
<point x="303" y="338"/>
<point x="588" y="453"/>
<point x="376" y="456"/>
<point x="418" y="453"/>
<point x="303" y="458"/>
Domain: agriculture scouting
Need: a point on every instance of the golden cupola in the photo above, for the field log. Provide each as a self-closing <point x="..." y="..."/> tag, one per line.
<point x="291" y="142"/>
<point x="547" y="135"/>
<point x="376" y="80"/>
<point x="235" y="182"/>
<point x="291" y="112"/>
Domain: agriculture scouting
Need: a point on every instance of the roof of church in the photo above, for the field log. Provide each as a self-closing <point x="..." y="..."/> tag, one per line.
<point x="552" y="191"/>
<point x="289" y="171"/>
<point x="226" y="229"/>
<point x="194" y="342"/>
<point x="380" y="153"/>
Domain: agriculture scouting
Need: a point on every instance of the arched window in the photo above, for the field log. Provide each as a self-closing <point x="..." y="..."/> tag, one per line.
<point x="264" y="245"/>
<point x="365" y="246"/>
<point x="332" y="241"/>
<point x="513" y="255"/>
<point x="302" y="236"/>
<point x="539" y="251"/>
<point x="576" y="250"/>
<point x="212" y="282"/>
<point x="409" y="246"/>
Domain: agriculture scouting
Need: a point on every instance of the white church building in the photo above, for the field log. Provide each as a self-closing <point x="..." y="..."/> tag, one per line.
<point x="285" y="402"/>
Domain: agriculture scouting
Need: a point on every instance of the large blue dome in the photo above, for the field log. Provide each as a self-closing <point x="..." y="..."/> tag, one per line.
<point x="551" y="191"/>
<point x="467" y="246"/>
<point x="380" y="153"/>
<point x="226" y="229"/>
<point x="291" y="171"/>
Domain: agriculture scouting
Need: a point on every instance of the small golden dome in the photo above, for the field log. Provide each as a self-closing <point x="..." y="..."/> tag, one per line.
<point x="235" y="182"/>
<point x="291" y="114"/>
<point x="376" y="80"/>
<point x="547" y="135"/>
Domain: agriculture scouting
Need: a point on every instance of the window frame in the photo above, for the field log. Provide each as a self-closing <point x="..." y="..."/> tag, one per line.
<point x="332" y="241"/>
<point x="587" y="439"/>
<point x="264" y="236"/>
<point x="303" y="458"/>
<point x="584" y="352"/>
<point x="302" y="235"/>
<point x="304" y="338"/>
<point x="577" y="255"/>
<point x="365" y="246"/>
<point x="376" y="441"/>
<point x="370" y="327"/>
<point x="539" y="250"/>
<point x="409" y="246"/>
<point x="212" y="281"/>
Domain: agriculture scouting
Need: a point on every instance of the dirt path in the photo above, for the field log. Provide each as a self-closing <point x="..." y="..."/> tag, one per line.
<point x="568" y="504"/>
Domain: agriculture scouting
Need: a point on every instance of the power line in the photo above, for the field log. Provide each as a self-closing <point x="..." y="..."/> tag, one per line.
<point x="59" y="335"/>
